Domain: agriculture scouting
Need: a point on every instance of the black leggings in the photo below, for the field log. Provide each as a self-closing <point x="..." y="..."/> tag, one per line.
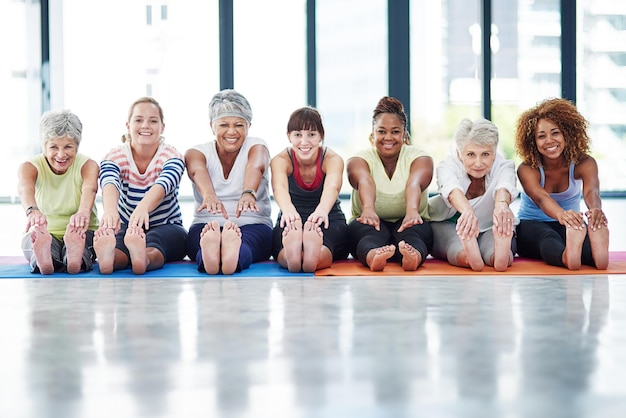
<point x="335" y="239"/>
<point x="364" y="238"/>
<point x="546" y="241"/>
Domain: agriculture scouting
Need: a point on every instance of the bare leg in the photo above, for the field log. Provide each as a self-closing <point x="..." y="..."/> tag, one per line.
<point x="411" y="258"/>
<point x="135" y="240"/>
<point x="312" y="242"/>
<point x="210" y="246"/>
<point x="74" y="240"/>
<point x="377" y="258"/>
<point x="470" y="255"/>
<point x="231" y="243"/>
<point x="292" y="246"/>
<point x="42" y="241"/>
<point x="104" y="246"/>
<point x="574" y="239"/>
<point x="502" y="251"/>
<point x="599" y="240"/>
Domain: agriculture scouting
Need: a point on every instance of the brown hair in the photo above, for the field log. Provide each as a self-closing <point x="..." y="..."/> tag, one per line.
<point x="145" y="99"/>
<point x="394" y="106"/>
<point x="563" y="114"/>
<point x="306" y="118"/>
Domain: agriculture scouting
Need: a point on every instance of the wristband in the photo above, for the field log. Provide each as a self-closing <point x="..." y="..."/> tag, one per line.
<point x="252" y="192"/>
<point x="30" y="209"/>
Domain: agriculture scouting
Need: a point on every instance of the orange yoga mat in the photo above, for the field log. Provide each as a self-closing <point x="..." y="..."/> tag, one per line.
<point x="431" y="267"/>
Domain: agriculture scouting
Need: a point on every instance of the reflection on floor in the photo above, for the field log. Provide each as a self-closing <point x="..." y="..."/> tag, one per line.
<point x="336" y="347"/>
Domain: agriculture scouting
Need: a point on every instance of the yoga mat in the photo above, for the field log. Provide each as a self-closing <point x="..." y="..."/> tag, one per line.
<point x="431" y="267"/>
<point x="16" y="267"/>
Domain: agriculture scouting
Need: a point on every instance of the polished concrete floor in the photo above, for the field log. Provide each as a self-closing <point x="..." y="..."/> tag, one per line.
<point x="326" y="347"/>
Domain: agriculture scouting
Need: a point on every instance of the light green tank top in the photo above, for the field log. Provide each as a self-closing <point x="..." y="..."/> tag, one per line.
<point x="390" y="197"/>
<point x="58" y="195"/>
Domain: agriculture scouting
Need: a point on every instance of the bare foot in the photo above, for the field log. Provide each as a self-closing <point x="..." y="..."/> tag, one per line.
<point x="312" y="241"/>
<point x="574" y="239"/>
<point x="231" y="243"/>
<point x="502" y="251"/>
<point x="135" y="241"/>
<point x="74" y="247"/>
<point x="292" y="246"/>
<point x="472" y="255"/>
<point x="411" y="258"/>
<point x="104" y="246"/>
<point x="377" y="258"/>
<point x="210" y="246"/>
<point x="42" y="241"/>
<point x="599" y="240"/>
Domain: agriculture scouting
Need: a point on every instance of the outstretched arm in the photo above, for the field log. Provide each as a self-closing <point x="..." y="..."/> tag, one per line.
<point x="27" y="176"/>
<point x="420" y="176"/>
<point x="199" y="175"/>
<point x="588" y="171"/>
<point x="361" y="180"/>
<point x="258" y="161"/>
<point x="281" y="168"/>
<point x="333" y="169"/>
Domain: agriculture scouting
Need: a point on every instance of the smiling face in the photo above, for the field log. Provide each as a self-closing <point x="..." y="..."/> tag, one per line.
<point x="477" y="159"/>
<point x="145" y="125"/>
<point x="230" y="132"/>
<point x="305" y="143"/>
<point x="549" y="139"/>
<point x="388" y="135"/>
<point x="60" y="153"/>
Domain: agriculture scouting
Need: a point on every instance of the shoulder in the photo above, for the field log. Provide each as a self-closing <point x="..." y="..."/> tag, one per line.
<point x="118" y="153"/>
<point x="526" y="172"/>
<point x="331" y="155"/>
<point x="412" y="152"/>
<point x="587" y="165"/>
<point x="170" y="151"/>
<point x="502" y="163"/>
<point x="281" y="159"/>
<point x="253" y="140"/>
<point x="331" y="160"/>
<point x="363" y="155"/>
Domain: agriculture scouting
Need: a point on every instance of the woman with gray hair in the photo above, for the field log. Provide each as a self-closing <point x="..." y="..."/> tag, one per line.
<point x="472" y="222"/>
<point x="58" y="189"/>
<point x="232" y="227"/>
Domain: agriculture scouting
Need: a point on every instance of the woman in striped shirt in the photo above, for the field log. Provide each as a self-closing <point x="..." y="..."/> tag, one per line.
<point x="142" y="224"/>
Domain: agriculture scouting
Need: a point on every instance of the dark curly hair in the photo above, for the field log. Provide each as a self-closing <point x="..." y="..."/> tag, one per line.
<point x="394" y="106"/>
<point x="563" y="114"/>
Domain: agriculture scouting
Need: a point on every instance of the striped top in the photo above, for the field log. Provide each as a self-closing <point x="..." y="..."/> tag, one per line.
<point x="166" y="169"/>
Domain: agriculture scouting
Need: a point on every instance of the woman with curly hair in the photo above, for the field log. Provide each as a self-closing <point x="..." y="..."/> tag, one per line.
<point x="556" y="170"/>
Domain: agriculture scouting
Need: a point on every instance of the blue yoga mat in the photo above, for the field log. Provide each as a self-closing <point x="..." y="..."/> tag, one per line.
<point x="168" y="271"/>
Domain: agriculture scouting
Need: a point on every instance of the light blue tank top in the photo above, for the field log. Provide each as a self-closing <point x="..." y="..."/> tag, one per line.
<point x="568" y="200"/>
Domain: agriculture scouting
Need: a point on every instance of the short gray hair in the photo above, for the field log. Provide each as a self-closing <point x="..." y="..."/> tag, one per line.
<point x="479" y="132"/>
<point x="60" y="124"/>
<point x="229" y="103"/>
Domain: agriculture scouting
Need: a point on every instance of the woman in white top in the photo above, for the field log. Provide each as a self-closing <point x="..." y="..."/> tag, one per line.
<point x="232" y="227"/>
<point x="472" y="222"/>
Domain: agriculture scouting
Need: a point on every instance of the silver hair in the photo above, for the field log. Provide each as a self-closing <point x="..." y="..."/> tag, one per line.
<point x="229" y="103"/>
<point x="60" y="124"/>
<point x="479" y="132"/>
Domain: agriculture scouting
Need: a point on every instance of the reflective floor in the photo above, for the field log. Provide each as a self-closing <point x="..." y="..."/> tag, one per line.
<point x="340" y="347"/>
<point x="333" y="347"/>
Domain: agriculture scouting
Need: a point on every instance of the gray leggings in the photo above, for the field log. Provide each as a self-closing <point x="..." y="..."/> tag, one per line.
<point x="447" y="243"/>
<point x="57" y="251"/>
